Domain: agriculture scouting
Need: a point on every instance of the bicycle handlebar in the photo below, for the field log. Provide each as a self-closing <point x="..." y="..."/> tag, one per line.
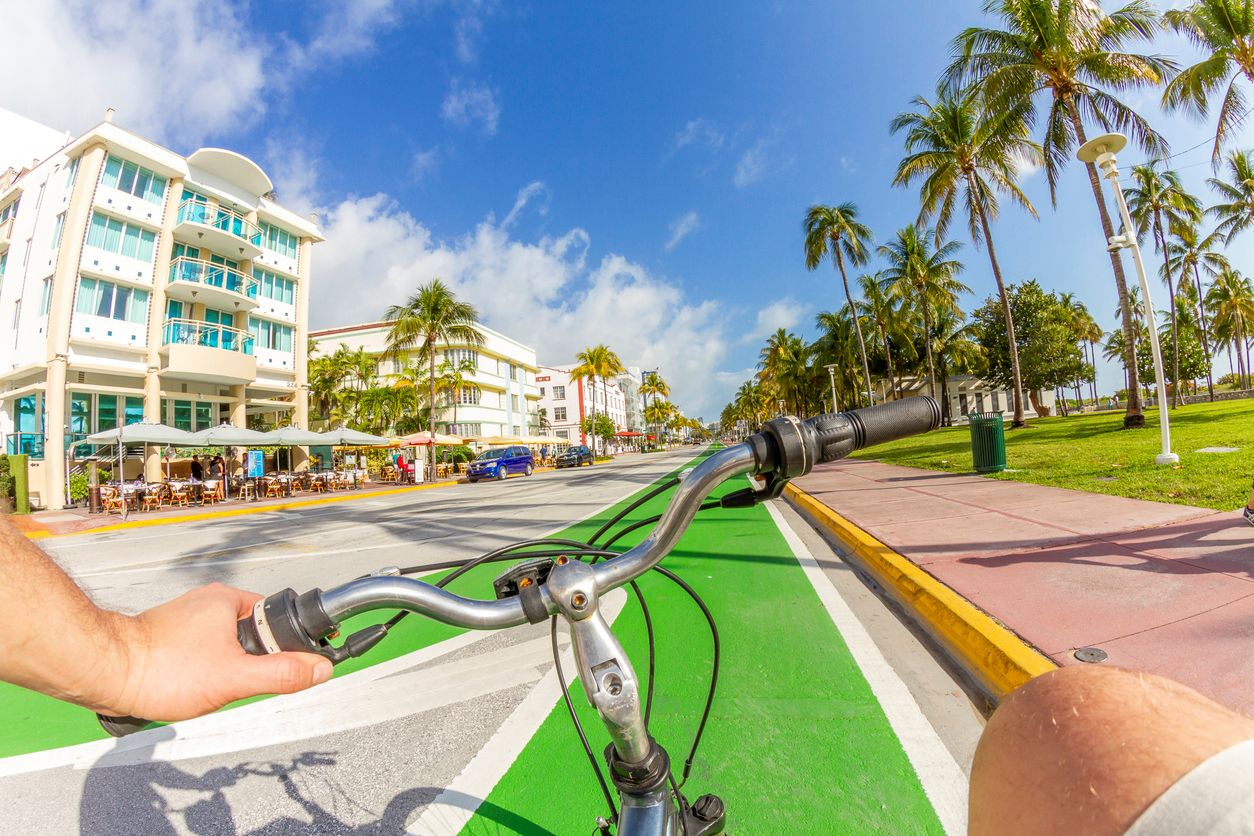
<point x="785" y="448"/>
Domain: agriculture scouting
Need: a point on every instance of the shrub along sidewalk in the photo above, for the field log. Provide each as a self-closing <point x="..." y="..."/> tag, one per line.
<point x="1094" y="453"/>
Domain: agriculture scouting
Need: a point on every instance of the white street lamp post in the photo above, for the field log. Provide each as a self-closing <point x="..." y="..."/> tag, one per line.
<point x="831" y="373"/>
<point x="1101" y="151"/>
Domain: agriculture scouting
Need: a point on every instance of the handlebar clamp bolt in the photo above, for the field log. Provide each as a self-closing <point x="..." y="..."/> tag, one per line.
<point x="562" y="560"/>
<point x="579" y="601"/>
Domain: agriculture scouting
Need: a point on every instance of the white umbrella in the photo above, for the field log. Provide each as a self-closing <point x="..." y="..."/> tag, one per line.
<point x="144" y="432"/>
<point x="295" y="437"/>
<point x="228" y="435"/>
<point x="345" y="437"/>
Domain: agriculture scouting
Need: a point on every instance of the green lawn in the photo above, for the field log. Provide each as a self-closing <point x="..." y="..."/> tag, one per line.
<point x="1094" y="453"/>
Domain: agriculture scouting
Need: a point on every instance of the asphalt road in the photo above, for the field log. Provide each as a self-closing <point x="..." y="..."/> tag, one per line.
<point x="368" y="753"/>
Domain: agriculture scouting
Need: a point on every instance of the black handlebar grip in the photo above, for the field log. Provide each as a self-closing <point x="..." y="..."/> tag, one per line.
<point x="249" y="637"/>
<point x="840" y="434"/>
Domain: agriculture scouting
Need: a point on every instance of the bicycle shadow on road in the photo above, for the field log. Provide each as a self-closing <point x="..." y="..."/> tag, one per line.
<point x="128" y="791"/>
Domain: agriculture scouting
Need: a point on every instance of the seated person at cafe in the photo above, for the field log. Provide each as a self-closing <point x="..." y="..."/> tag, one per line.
<point x="198" y="470"/>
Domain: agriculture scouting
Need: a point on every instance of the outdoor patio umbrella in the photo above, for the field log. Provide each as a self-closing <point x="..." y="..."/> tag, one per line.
<point x="344" y="437"/>
<point x="143" y="432"/>
<point x="425" y="439"/>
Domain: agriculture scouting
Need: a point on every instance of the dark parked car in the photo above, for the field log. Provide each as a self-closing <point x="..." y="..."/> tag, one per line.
<point x="574" y="456"/>
<point x="500" y="462"/>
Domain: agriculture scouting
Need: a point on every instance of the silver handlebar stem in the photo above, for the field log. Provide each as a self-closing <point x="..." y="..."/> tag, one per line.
<point x="692" y="491"/>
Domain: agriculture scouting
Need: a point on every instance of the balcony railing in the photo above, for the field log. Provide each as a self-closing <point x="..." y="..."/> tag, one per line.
<point x="199" y="271"/>
<point x="219" y="217"/>
<point x="207" y="334"/>
<point x="29" y="444"/>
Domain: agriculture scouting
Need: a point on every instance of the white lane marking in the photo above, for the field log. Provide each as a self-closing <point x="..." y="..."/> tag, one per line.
<point x="453" y="808"/>
<point x="159" y="743"/>
<point x="942" y="779"/>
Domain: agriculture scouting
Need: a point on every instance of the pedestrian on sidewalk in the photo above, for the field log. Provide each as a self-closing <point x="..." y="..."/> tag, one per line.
<point x="1248" y="513"/>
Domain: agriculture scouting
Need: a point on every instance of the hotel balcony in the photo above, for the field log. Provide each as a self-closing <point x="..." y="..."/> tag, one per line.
<point x="212" y="284"/>
<point x="195" y="350"/>
<point x="6" y="234"/>
<point x="218" y="228"/>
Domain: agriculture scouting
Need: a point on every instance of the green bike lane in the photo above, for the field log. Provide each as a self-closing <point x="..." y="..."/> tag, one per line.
<point x="796" y="740"/>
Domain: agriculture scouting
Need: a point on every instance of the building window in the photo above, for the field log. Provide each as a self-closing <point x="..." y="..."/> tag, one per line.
<point x="183" y="415"/>
<point x="979" y="401"/>
<point x="57" y="230"/>
<point x="271" y="335"/>
<point x="97" y="297"/>
<point x="120" y="237"/>
<point x="134" y="412"/>
<point x="513" y="402"/>
<point x="4" y="262"/>
<point x="542" y="391"/>
<point x="9" y="211"/>
<point x="204" y="416"/>
<point x="106" y="412"/>
<point x="559" y="413"/>
<point x="457" y="355"/>
<point x="563" y="434"/>
<point x="996" y="402"/>
<point x="279" y="240"/>
<point x="275" y="287"/>
<point x="559" y="393"/>
<point x="468" y="395"/>
<point x="962" y="403"/>
<point x="45" y="298"/>
<point x="133" y="179"/>
<point x="465" y="430"/>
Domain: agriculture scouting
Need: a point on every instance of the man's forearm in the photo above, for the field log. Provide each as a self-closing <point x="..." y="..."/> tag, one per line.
<point x="58" y="641"/>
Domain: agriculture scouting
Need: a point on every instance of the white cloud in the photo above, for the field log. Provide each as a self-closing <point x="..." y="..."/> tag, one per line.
<point x="700" y="131"/>
<point x="682" y="227"/>
<point x="294" y="169"/>
<point x="424" y="162"/>
<point x="178" y="71"/>
<point x="471" y="102"/>
<point x="1025" y="167"/>
<point x="465" y="38"/>
<point x="783" y="313"/>
<point x="755" y="162"/>
<point x="545" y="292"/>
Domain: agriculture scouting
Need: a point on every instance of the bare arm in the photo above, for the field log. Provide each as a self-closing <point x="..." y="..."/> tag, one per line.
<point x="172" y="662"/>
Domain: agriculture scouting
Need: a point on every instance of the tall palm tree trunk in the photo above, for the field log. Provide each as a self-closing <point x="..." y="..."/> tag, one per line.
<point x="927" y="343"/>
<point x="1160" y="240"/>
<point x="1134" y="417"/>
<point x="888" y="355"/>
<point x="431" y="338"/>
<point x="1017" y="421"/>
<point x="1093" y="379"/>
<point x="857" y="324"/>
<point x="1201" y="309"/>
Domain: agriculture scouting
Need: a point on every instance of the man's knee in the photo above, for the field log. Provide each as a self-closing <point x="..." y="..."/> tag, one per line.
<point x="1089" y="748"/>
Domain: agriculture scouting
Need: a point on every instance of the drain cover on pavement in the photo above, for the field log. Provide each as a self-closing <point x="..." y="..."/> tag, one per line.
<point x="1090" y="654"/>
<point x="1218" y="450"/>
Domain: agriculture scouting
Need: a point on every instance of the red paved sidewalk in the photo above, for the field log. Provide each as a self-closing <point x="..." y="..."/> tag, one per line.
<point x="1162" y="588"/>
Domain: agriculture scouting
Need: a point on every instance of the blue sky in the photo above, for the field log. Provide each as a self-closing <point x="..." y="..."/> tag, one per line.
<point x="633" y="173"/>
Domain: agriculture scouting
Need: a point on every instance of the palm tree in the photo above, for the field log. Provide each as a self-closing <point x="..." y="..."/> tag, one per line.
<point x="925" y="277"/>
<point x="836" y="231"/>
<point x="1224" y="32"/>
<point x="453" y="378"/>
<point x="653" y="386"/>
<point x="1236" y="211"/>
<point x="965" y="151"/>
<point x="1231" y="301"/>
<point x="956" y="350"/>
<point x="432" y="315"/>
<point x="837" y="345"/>
<point x="1158" y="197"/>
<point x="1070" y="50"/>
<point x="597" y="361"/>
<point x="884" y="312"/>
<point x="1191" y="251"/>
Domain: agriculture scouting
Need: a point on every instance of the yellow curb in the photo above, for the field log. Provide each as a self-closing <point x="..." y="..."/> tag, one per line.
<point x="993" y="655"/>
<point x="238" y="512"/>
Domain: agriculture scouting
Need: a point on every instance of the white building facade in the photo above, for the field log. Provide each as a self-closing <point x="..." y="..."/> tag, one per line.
<point x="567" y="402"/>
<point x="138" y="284"/>
<point x="501" y="396"/>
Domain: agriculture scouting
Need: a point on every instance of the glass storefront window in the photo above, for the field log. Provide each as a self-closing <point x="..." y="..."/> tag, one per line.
<point x="106" y="412"/>
<point x="80" y="413"/>
<point x="134" y="410"/>
<point x="183" y="415"/>
<point x="204" y="416"/>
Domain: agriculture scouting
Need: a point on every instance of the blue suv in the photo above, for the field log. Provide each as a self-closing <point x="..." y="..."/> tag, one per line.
<point x="500" y="462"/>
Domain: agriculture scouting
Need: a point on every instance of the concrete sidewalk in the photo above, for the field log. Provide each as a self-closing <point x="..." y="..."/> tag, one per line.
<point x="1161" y="588"/>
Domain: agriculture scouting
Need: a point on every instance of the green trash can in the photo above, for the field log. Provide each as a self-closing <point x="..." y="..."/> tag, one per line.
<point x="988" y="442"/>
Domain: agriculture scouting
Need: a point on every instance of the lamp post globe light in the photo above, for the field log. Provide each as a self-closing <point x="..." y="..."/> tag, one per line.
<point x="1101" y="150"/>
